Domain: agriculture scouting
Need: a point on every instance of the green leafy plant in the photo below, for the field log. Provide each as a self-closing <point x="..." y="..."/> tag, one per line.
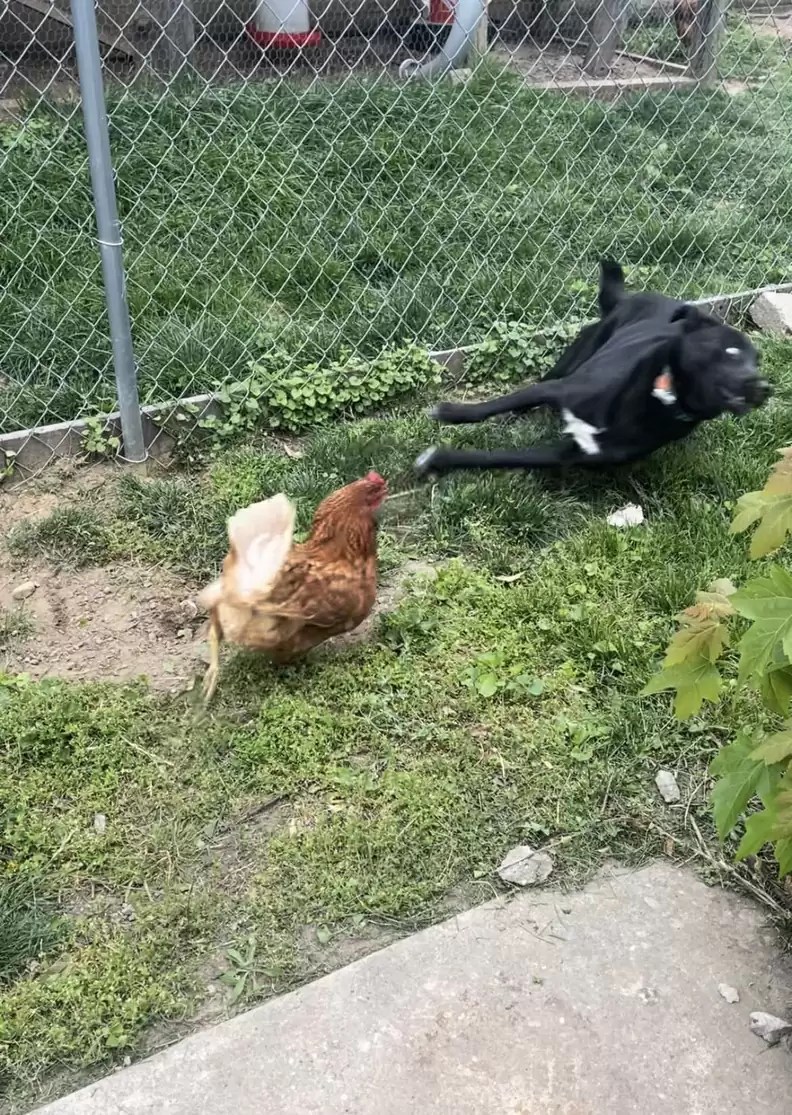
<point x="245" y="974"/>
<point x="293" y="399"/>
<point x="410" y="626"/>
<point x="491" y="675"/>
<point x="7" y="464"/>
<point x="97" y="441"/>
<point x="754" y="765"/>
<point x="515" y="351"/>
<point x="35" y="134"/>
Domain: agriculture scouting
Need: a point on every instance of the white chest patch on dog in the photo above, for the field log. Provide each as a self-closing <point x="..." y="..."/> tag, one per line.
<point x="664" y="389"/>
<point x="583" y="432"/>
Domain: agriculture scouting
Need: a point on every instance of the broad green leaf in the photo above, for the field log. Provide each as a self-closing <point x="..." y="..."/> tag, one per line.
<point x="758" y="832"/>
<point x="776" y="689"/>
<point x="750" y="508"/>
<point x="738" y="776"/>
<point x="768" y="602"/>
<point x="707" y="639"/>
<point x="783" y="804"/>
<point x="768" y="784"/>
<point x="775" y="748"/>
<point x="695" y="681"/>
<point x="759" y="645"/>
<point x="764" y="597"/>
<point x="487" y="685"/>
<point x="116" y="1037"/>
<point x="775" y="525"/>
<point x="783" y="853"/>
<point x="771" y="508"/>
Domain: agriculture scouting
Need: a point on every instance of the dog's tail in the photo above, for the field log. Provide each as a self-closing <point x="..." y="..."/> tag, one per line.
<point x="611" y="286"/>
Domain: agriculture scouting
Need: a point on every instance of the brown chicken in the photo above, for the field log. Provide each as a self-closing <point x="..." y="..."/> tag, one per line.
<point x="284" y="598"/>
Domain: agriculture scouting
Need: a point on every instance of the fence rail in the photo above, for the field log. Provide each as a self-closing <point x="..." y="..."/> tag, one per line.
<point x="298" y="183"/>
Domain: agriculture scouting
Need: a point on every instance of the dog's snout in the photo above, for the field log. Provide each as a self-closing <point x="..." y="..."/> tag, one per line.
<point x="758" y="391"/>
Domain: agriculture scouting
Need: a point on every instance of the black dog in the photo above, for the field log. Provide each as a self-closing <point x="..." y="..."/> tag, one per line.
<point x="646" y="374"/>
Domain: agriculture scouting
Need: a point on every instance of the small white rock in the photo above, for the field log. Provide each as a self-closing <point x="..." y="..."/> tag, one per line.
<point x="128" y="912"/>
<point x="631" y="515"/>
<point x="525" y="867"/>
<point x="772" y="312"/>
<point x="23" y="591"/>
<point x="188" y="608"/>
<point x="667" y="785"/>
<point x="100" y="823"/>
<point x="729" y="993"/>
<point x="769" y="1027"/>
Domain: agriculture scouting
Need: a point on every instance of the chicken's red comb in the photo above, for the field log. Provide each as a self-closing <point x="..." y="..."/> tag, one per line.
<point x="375" y="478"/>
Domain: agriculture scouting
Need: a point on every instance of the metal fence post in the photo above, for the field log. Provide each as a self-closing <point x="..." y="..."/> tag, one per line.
<point x="108" y="226"/>
<point x="707" y="35"/>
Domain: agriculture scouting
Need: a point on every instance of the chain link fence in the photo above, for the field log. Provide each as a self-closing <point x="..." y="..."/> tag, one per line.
<point x="292" y="189"/>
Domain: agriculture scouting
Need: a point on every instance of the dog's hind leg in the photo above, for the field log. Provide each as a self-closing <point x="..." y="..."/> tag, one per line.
<point x="440" y="459"/>
<point x="526" y="398"/>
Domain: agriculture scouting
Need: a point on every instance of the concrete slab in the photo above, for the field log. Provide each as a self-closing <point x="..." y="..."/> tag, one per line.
<point x="603" y="1001"/>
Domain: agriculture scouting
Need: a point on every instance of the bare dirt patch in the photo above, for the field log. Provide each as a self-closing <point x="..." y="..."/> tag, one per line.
<point x="122" y="622"/>
<point x="67" y="483"/>
<point x="558" y="62"/>
<point x="117" y="622"/>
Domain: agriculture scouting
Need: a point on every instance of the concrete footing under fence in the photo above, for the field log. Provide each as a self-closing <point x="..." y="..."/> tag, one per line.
<point x="33" y="450"/>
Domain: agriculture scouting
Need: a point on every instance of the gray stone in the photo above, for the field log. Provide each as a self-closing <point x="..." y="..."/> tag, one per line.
<point x="100" y="823"/>
<point x="492" y="1014"/>
<point x="525" y="867"/>
<point x="772" y="312"/>
<point x="667" y="785"/>
<point x="188" y="608"/>
<point x="729" y="993"/>
<point x="23" y="591"/>
<point x="768" y="1027"/>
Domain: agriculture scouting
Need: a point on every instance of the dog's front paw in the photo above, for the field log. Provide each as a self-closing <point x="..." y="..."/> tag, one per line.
<point x="424" y="464"/>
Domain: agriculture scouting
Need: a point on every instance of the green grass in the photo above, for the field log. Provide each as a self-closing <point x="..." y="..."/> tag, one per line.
<point x="276" y="217"/>
<point x="28" y="928"/>
<point x="318" y="804"/>
<point x="71" y="535"/>
<point x="15" y="625"/>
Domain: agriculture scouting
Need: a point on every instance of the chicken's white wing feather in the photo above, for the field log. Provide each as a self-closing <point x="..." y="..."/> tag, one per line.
<point x="261" y="536"/>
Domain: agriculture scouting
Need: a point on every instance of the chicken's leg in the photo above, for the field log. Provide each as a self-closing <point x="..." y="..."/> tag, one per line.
<point x="212" y="673"/>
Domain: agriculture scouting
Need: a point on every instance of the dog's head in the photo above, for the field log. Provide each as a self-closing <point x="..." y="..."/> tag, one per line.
<point x="716" y="368"/>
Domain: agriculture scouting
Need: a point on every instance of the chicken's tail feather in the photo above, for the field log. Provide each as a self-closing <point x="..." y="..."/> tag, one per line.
<point x="261" y="536"/>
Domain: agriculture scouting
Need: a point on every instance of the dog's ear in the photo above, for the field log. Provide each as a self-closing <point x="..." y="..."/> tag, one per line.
<point x="689" y="317"/>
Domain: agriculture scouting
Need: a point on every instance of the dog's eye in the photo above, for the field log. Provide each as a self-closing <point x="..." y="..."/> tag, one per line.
<point x="732" y="352"/>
